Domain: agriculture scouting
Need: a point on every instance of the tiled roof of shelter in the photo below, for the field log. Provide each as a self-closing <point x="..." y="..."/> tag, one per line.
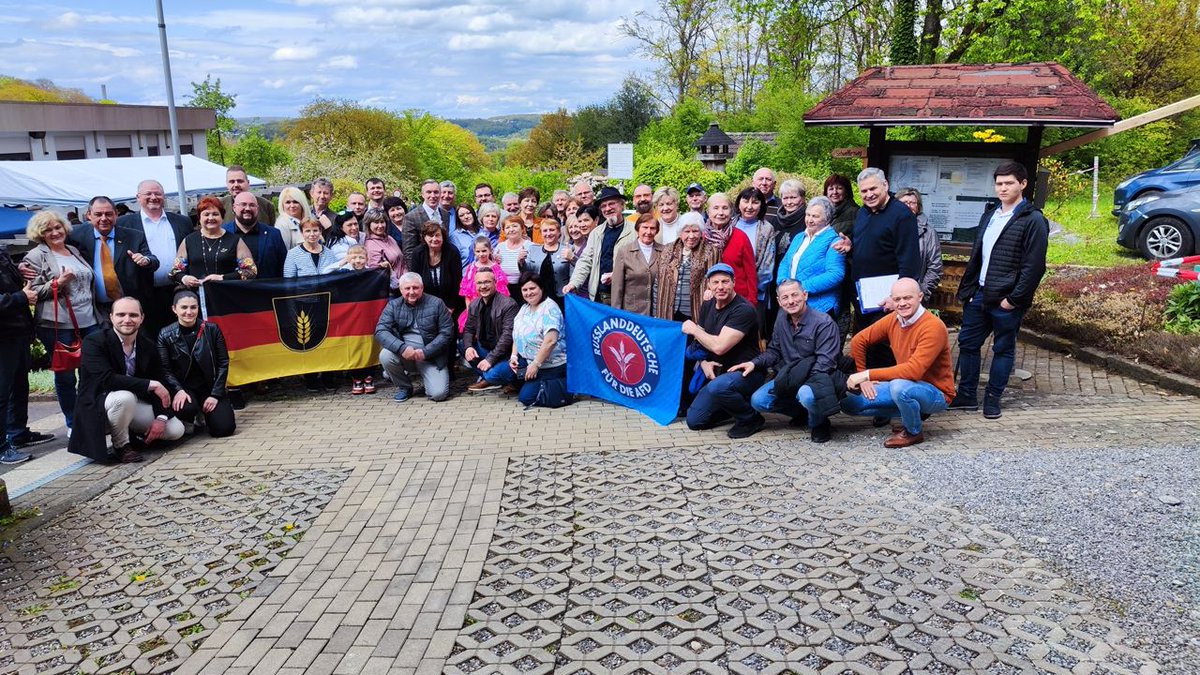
<point x="1030" y="94"/>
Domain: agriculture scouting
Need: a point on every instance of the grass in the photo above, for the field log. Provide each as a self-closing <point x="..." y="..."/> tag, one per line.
<point x="1097" y="237"/>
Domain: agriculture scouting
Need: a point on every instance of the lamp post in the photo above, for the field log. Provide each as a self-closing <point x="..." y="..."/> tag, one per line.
<point x="166" y="59"/>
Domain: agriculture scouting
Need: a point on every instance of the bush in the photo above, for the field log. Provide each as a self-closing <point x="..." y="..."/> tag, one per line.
<point x="1182" y="315"/>
<point x="1118" y="309"/>
<point x="750" y="157"/>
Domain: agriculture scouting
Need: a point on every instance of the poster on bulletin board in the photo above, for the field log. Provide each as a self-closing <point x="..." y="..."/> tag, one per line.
<point x="954" y="190"/>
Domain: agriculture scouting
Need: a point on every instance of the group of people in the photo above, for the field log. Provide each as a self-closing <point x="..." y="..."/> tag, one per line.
<point x="762" y="283"/>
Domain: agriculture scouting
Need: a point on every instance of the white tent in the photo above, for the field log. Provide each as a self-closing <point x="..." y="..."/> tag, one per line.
<point x="73" y="182"/>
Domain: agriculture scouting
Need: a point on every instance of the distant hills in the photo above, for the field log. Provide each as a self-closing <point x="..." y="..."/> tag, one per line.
<point x="494" y="132"/>
<point x="497" y="132"/>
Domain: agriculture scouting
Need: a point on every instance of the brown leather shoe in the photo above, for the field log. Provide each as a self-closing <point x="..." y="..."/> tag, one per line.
<point x="128" y="455"/>
<point x="903" y="439"/>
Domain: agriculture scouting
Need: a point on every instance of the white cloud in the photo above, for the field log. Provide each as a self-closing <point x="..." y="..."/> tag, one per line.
<point x="294" y="54"/>
<point x="462" y="58"/>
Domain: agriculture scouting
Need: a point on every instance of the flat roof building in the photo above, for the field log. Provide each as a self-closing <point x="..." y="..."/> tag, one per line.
<point x="53" y="131"/>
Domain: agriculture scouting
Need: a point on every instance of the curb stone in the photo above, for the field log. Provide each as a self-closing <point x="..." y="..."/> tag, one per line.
<point x="1175" y="382"/>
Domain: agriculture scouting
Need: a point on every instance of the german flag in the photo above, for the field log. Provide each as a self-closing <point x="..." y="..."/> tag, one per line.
<point x="279" y="327"/>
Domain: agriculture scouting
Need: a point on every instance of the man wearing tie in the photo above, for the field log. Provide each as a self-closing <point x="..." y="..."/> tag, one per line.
<point x="121" y="259"/>
<point x="428" y="211"/>
<point x="164" y="232"/>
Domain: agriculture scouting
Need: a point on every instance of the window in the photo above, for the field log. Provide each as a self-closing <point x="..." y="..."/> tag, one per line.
<point x="72" y="154"/>
<point x="16" y="157"/>
<point x="119" y="152"/>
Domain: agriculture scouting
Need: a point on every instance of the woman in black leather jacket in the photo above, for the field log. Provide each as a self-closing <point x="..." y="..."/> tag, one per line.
<point x="196" y="363"/>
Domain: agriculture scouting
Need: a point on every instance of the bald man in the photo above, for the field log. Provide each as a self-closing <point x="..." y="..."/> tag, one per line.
<point x="922" y="381"/>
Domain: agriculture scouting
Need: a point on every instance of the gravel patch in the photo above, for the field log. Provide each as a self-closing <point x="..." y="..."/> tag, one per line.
<point x="1122" y="524"/>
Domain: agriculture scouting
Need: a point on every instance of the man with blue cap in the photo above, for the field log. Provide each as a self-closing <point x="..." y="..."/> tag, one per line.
<point x="725" y="335"/>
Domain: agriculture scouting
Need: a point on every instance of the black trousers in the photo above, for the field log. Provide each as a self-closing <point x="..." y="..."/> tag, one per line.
<point x="220" y="421"/>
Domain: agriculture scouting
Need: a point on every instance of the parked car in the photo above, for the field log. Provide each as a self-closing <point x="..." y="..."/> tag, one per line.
<point x="1177" y="175"/>
<point x="1162" y="224"/>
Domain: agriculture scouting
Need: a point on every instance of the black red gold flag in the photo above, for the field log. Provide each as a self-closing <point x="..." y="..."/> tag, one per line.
<point x="280" y="327"/>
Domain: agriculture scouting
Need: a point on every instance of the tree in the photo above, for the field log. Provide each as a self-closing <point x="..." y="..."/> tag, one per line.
<point x="258" y="154"/>
<point x="40" y="91"/>
<point x="620" y="119"/>
<point x="208" y="94"/>
<point x="676" y="36"/>
<point x="554" y="130"/>
<point x="904" y="50"/>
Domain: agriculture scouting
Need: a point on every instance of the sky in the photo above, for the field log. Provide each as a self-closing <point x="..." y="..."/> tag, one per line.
<point x="453" y="58"/>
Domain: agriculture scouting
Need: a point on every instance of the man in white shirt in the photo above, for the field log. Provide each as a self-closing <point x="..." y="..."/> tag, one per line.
<point x="164" y="233"/>
<point x="429" y="210"/>
<point x="1007" y="263"/>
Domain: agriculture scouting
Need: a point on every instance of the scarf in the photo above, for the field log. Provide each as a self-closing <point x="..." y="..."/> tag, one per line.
<point x="717" y="237"/>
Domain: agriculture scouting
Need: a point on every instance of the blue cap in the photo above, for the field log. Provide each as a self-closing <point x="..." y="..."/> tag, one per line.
<point x="694" y="187"/>
<point x="719" y="268"/>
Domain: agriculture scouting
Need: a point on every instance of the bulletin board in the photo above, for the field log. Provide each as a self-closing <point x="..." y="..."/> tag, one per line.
<point x="954" y="190"/>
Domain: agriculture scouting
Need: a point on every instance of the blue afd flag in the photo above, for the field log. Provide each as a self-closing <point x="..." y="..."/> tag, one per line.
<point x="629" y="359"/>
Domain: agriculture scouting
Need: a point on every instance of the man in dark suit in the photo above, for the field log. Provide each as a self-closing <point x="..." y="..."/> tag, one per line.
<point x="121" y="390"/>
<point x="265" y="243"/>
<point x="429" y="210"/>
<point x="122" y="263"/>
<point x="164" y="232"/>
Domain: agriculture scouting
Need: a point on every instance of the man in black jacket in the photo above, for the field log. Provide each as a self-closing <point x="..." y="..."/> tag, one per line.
<point x="121" y="390"/>
<point x="487" y="336"/>
<point x="1007" y="263"/>
<point x="16" y="334"/>
<point x="804" y="350"/>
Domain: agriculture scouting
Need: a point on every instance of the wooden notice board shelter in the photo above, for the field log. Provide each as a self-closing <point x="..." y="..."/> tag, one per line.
<point x="955" y="177"/>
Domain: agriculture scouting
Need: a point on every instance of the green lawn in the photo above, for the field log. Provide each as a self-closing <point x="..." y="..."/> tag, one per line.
<point x="1097" y="237"/>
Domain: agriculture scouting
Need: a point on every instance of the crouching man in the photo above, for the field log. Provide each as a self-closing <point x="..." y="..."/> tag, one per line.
<point x="416" y="333"/>
<point x="121" y="390"/>
<point x="922" y="381"/>
<point x="804" y="350"/>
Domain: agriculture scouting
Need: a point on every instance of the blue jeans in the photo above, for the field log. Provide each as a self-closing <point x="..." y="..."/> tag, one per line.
<point x="502" y="373"/>
<point x="499" y="373"/>
<point x="978" y="321"/>
<point x="905" y="399"/>
<point x="726" y="396"/>
<point x="764" y="400"/>
<point x="64" y="382"/>
<point x="14" y="387"/>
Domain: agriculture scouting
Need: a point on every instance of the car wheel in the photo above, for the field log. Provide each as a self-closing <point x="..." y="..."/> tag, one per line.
<point x="1165" y="237"/>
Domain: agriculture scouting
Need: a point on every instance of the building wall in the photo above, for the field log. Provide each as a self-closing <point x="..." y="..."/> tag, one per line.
<point x="87" y="130"/>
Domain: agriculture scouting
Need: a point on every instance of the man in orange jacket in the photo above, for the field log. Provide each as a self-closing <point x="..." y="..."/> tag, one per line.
<point x="922" y="381"/>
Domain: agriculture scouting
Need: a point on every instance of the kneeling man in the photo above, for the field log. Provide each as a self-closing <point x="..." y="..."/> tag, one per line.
<point x="121" y="390"/>
<point x="416" y="333"/>
<point x="804" y="350"/>
<point x="725" y="335"/>
<point x="922" y="381"/>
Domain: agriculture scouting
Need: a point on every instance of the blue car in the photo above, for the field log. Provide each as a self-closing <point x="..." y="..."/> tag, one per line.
<point x="1162" y="225"/>
<point x="1174" y="176"/>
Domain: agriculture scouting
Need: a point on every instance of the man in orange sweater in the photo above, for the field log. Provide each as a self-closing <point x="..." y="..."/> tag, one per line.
<point x="922" y="381"/>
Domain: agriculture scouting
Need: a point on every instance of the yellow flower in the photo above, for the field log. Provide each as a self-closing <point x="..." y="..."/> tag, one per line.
<point x="989" y="132"/>
<point x="980" y="135"/>
<point x="139" y="577"/>
<point x="288" y="527"/>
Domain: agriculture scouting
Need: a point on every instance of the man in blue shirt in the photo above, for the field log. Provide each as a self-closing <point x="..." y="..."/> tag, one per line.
<point x="121" y="258"/>
<point x="1007" y="263"/>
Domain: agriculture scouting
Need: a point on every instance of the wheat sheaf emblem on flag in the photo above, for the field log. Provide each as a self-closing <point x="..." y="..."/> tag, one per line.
<point x="302" y="320"/>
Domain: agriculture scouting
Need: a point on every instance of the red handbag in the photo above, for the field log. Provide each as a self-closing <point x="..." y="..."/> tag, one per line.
<point x="65" y="357"/>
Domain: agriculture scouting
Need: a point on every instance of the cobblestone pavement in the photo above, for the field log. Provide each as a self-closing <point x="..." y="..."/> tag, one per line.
<point x="754" y="556"/>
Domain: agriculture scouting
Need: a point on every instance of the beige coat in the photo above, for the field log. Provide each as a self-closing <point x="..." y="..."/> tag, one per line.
<point x="587" y="267"/>
<point x="42" y="259"/>
<point x="633" y="278"/>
